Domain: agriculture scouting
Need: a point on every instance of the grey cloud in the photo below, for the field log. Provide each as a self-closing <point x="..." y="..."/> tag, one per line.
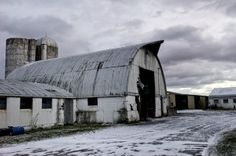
<point x="184" y="50"/>
<point x="192" y="74"/>
<point x="31" y="27"/>
<point x="73" y="47"/>
<point x="186" y="43"/>
<point x="10" y="2"/>
<point x="189" y="3"/>
<point x="178" y="32"/>
<point x="135" y="23"/>
<point x="231" y="11"/>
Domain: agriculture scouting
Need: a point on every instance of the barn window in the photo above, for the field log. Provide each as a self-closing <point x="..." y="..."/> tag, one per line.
<point x="216" y="101"/>
<point x="92" y="101"/>
<point x="46" y="103"/>
<point x="225" y="100"/>
<point x="3" y="102"/>
<point x="26" y="103"/>
<point x="234" y="100"/>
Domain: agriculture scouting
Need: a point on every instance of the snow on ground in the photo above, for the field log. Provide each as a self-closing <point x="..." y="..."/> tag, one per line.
<point x="183" y="134"/>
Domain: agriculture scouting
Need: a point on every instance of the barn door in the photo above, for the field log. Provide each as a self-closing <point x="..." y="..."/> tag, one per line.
<point x="147" y="94"/>
<point x="68" y="111"/>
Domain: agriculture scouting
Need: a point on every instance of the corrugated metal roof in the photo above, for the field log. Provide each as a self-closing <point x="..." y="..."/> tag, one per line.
<point x="230" y="91"/>
<point x="30" y="89"/>
<point x="99" y="74"/>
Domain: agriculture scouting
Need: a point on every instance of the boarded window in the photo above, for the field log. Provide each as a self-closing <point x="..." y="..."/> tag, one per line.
<point x="234" y="100"/>
<point x="46" y="103"/>
<point x="225" y="100"/>
<point x="216" y="101"/>
<point x="3" y="102"/>
<point x="92" y="101"/>
<point x="26" y="103"/>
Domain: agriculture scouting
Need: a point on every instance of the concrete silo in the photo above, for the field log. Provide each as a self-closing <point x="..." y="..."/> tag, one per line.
<point x="20" y="51"/>
<point x="46" y="48"/>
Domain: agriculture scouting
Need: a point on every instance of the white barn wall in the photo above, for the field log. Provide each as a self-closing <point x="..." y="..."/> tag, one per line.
<point x="35" y="117"/>
<point x="148" y="62"/>
<point x="131" y="107"/>
<point x="221" y="104"/>
<point x="158" y="107"/>
<point x="60" y="111"/>
<point x="165" y="105"/>
<point x="25" y="118"/>
<point x="3" y="117"/>
<point x="44" y="117"/>
<point x="107" y="110"/>
<point x="13" y="111"/>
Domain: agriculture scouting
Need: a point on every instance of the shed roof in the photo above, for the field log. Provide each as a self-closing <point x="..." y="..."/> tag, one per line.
<point x="30" y="89"/>
<point x="230" y="91"/>
<point x="104" y="73"/>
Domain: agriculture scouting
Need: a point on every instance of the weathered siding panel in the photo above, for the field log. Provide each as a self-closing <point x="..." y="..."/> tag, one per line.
<point x="191" y="102"/>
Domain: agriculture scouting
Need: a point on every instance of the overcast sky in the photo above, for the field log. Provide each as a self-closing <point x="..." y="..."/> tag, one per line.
<point x="199" y="52"/>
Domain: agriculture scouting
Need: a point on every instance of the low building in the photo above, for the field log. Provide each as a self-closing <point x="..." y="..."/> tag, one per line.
<point x="33" y="105"/>
<point x="224" y="98"/>
<point x="187" y="101"/>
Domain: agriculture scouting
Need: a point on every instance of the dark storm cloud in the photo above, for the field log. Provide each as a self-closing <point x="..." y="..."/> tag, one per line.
<point x="198" y="72"/>
<point x="190" y="59"/>
<point x="37" y="26"/>
<point x="179" y="32"/>
<point x="186" y="43"/>
<point x="230" y="8"/>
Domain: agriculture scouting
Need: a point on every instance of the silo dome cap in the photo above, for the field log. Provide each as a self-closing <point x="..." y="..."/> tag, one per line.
<point x="47" y="41"/>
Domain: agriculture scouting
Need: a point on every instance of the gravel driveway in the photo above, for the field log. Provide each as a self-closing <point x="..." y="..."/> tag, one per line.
<point x="187" y="133"/>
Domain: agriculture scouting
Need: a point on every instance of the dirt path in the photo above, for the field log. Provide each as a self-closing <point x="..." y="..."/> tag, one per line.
<point x="185" y="134"/>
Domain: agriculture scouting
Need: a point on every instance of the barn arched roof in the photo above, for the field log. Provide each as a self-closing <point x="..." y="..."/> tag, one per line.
<point x="99" y="74"/>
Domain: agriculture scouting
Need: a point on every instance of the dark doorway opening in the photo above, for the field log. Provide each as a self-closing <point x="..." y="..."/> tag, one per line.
<point x="197" y="102"/>
<point x="181" y="102"/>
<point x="38" y="53"/>
<point x="68" y="111"/>
<point x="147" y="94"/>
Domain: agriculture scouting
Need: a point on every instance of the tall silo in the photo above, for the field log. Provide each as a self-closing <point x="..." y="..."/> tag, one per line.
<point x="46" y="48"/>
<point x="18" y="53"/>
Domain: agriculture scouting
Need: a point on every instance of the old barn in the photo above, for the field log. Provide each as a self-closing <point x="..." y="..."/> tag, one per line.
<point x="123" y="84"/>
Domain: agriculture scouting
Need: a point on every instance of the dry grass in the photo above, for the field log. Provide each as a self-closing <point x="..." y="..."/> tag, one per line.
<point x="45" y="133"/>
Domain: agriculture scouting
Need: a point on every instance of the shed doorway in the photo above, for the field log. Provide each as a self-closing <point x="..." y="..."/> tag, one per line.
<point x="197" y="102"/>
<point x="147" y="94"/>
<point x="68" y="112"/>
<point x="38" y="54"/>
